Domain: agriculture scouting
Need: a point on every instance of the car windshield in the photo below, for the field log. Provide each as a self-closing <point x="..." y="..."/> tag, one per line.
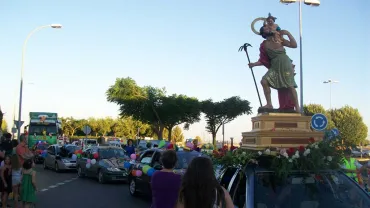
<point x="91" y="142"/>
<point x="66" y="151"/>
<point x="329" y="189"/>
<point x="72" y="148"/>
<point x="42" y="130"/>
<point x="111" y="152"/>
<point x="184" y="159"/>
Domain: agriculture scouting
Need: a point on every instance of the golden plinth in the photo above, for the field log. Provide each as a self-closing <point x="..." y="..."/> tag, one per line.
<point x="282" y="130"/>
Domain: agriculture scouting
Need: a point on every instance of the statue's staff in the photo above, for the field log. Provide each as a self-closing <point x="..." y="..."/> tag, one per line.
<point x="244" y="47"/>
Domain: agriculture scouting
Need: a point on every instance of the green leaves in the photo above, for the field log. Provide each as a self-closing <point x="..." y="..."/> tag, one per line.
<point x="218" y="113"/>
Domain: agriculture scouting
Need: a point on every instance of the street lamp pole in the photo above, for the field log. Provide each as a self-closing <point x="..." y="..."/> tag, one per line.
<point x="330" y="82"/>
<point x="312" y="3"/>
<point x="56" y="26"/>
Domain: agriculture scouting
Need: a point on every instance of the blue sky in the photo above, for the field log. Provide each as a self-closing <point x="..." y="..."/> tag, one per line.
<point x="189" y="47"/>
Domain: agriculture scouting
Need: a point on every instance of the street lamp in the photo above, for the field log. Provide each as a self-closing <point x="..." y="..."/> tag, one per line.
<point x="54" y="26"/>
<point x="312" y="3"/>
<point x="330" y="82"/>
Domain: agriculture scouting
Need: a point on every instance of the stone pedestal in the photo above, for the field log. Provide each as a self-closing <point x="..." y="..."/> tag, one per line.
<point x="281" y="130"/>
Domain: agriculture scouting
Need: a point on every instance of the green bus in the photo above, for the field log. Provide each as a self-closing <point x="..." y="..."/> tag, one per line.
<point x="44" y="127"/>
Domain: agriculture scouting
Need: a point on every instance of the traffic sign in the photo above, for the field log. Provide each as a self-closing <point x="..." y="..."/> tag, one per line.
<point x="16" y="124"/>
<point x="319" y="122"/>
<point x="86" y="129"/>
<point x="335" y="132"/>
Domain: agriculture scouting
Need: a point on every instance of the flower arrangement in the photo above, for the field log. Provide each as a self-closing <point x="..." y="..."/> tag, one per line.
<point x="316" y="156"/>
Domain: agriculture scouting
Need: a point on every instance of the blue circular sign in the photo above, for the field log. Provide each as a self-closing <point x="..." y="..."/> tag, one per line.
<point x="319" y="122"/>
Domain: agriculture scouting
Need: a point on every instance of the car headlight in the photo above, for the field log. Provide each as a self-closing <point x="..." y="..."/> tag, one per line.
<point x="113" y="169"/>
<point x="65" y="161"/>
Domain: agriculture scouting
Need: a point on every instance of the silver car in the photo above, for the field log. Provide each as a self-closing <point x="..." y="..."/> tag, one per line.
<point x="61" y="157"/>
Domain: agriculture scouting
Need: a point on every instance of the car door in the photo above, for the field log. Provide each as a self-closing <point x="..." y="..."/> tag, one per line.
<point x="50" y="158"/>
<point x="94" y="168"/>
<point x="82" y="161"/>
<point x="142" y="181"/>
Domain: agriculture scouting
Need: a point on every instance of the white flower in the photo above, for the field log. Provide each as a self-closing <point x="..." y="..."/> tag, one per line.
<point x="278" y="156"/>
<point x="290" y="160"/>
<point x="285" y="155"/>
<point x="316" y="146"/>
<point x="297" y="154"/>
<point x="244" y="153"/>
<point x="329" y="158"/>
<point x="306" y="152"/>
<point x="259" y="152"/>
<point x="267" y="151"/>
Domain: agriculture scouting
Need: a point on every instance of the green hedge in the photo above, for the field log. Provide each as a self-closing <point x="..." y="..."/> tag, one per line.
<point x="82" y="137"/>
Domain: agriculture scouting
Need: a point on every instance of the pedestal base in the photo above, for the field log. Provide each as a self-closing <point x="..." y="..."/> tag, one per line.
<point x="281" y="130"/>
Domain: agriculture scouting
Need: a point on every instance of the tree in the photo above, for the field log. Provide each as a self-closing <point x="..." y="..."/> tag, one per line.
<point x="4" y="126"/>
<point x="94" y="125"/>
<point x="150" y="105"/>
<point x="104" y="125"/>
<point x="178" y="109"/>
<point x="312" y="109"/>
<point x="1" y="118"/>
<point x="177" y="135"/>
<point x="350" y="124"/>
<point x="223" y="112"/>
<point x="71" y="125"/>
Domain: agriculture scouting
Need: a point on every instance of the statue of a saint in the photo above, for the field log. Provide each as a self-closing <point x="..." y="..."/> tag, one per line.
<point x="280" y="74"/>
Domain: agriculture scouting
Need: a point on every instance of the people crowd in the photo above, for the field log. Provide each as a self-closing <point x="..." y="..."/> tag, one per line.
<point x="17" y="175"/>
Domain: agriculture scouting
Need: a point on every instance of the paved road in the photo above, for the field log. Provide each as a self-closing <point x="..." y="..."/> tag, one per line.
<point x="60" y="190"/>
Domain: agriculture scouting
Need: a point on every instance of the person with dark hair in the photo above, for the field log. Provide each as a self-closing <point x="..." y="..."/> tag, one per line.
<point x="6" y="144"/>
<point x="200" y="188"/>
<point x="130" y="148"/>
<point x="6" y="179"/>
<point x="165" y="183"/>
<point x="28" y="187"/>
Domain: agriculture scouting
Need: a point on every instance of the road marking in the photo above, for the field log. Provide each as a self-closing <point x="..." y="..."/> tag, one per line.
<point x="58" y="184"/>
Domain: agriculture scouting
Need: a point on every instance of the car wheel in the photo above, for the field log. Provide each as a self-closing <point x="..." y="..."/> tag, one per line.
<point x="132" y="187"/>
<point x="101" y="177"/>
<point x="57" y="168"/>
<point x="45" y="167"/>
<point x="80" y="174"/>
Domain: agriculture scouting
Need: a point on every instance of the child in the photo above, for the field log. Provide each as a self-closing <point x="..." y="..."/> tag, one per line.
<point x="6" y="179"/>
<point x="28" y="187"/>
<point x="273" y="28"/>
<point x="16" y="178"/>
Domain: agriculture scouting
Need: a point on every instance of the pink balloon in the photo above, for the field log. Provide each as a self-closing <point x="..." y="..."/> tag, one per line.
<point x="190" y="145"/>
<point x="139" y="173"/>
<point x="88" y="161"/>
<point x="133" y="156"/>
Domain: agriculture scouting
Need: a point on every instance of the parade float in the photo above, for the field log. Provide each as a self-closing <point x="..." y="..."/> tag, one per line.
<point x="287" y="160"/>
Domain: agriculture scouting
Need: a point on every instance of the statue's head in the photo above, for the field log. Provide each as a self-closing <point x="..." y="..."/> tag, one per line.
<point x="270" y="19"/>
<point x="265" y="32"/>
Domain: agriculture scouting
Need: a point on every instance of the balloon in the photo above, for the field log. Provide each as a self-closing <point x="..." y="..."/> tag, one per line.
<point x="190" y="145"/>
<point x="45" y="151"/>
<point x="150" y="172"/>
<point x="146" y="168"/>
<point x="88" y="165"/>
<point x="170" y="146"/>
<point x="96" y="155"/>
<point x="2" y="163"/>
<point x="88" y="161"/>
<point x="139" y="173"/>
<point x="133" y="156"/>
<point x="126" y="165"/>
<point x="133" y="172"/>
<point x="79" y="155"/>
<point x="93" y="161"/>
<point x="161" y="144"/>
<point x="74" y="157"/>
